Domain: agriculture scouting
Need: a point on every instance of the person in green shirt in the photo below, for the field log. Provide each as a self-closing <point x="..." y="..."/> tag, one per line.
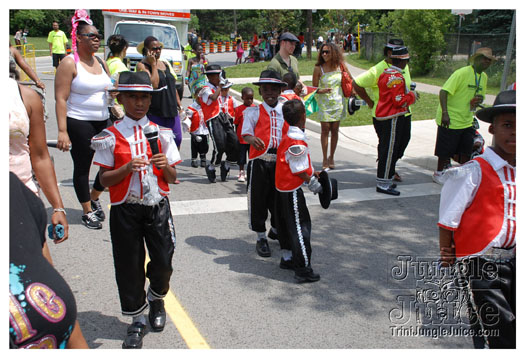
<point x="283" y="61"/>
<point x="369" y="79"/>
<point x="459" y="97"/>
<point x="57" y="40"/>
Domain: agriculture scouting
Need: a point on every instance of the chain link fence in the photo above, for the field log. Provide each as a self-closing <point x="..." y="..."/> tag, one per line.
<point x="458" y="49"/>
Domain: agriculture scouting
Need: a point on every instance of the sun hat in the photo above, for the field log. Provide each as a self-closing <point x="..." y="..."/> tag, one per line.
<point x="133" y="82"/>
<point x="140" y="46"/>
<point x="505" y="102"/>
<point x="270" y="76"/>
<point x="484" y="51"/>
<point x="400" y="52"/>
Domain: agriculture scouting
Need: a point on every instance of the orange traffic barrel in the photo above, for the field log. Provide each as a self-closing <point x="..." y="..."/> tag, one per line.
<point x="204" y="46"/>
<point x="212" y="47"/>
<point x="227" y="46"/>
<point x="245" y="45"/>
<point x="219" y="47"/>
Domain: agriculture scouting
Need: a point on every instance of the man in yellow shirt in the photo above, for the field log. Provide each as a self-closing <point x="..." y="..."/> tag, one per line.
<point x="57" y="40"/>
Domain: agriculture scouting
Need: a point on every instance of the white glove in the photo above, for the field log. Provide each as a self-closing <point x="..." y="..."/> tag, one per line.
<point x="314" y="185"/>
<point x="186" y="124"/>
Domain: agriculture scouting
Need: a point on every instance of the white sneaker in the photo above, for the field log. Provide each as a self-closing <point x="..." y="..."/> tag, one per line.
<point x="437" y="177"/>
<point x="242" y="177"/>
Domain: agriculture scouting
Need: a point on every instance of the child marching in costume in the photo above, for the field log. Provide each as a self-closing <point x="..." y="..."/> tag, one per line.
<point x="244" y="148"/>
<point x="221" y="129"/>
<point x="477" y="224"/>
<point x="294" y="167"/>
<point x="289" y="93"/>
<point x="198" y="131"/>
<point x="137" y="159"/>
<point x="262" y="130"/>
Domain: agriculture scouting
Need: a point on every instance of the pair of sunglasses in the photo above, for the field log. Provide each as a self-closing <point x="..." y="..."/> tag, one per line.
<point x="324" y="52"/>
<point x="92" y="35"/>
<point x="156" y="48"/>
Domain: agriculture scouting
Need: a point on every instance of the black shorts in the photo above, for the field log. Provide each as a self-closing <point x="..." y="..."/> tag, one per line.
<point x="57" y="57"/>
<point x="454" y="141"/>
<point x="243" y="153"/>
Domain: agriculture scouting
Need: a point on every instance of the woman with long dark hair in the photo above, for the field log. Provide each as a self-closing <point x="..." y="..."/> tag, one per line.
<point x="81" y="85"/>
<point x="165" y="103"/>
<point x="327" y="76"/>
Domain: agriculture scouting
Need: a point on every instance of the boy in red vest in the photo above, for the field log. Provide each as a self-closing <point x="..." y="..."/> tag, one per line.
<point x="389" y="123"/>
<point x="244" y="148"/>
<point x="137" y="161"/>
<point x="198" y="131"/>
<point x="293" y="168"/>
<point x="262" y="130"/>
<point x="221" y="129"/>
<point x="291" y="83"/>
<point x="477" y="224"/>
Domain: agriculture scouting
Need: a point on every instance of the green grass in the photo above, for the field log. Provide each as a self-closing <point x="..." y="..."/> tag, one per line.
<point x="306" y="67"/>
<point x="424" y="108"/>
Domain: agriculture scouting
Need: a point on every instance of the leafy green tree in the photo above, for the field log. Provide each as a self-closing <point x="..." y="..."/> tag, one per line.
<point x="422" y="31"/>
<point x="486" y="21"/>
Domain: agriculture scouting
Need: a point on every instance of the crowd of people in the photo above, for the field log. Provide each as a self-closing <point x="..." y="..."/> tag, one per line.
<point x="130" y="125"/>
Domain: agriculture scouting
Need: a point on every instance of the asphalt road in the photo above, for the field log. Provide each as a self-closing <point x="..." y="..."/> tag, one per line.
<point x="223" y="295"/>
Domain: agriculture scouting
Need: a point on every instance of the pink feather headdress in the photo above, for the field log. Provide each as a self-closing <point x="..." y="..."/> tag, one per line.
<point x="80" y="15"/>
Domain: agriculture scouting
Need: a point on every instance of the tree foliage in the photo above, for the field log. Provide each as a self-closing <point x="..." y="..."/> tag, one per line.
<point x="423" y="32"/>
<point x="486" y="21"/>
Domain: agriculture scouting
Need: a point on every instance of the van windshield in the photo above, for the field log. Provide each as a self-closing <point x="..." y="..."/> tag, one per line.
<point x="136" y="33"/>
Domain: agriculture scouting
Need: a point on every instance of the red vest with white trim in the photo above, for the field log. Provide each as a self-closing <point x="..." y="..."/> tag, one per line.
<point x="393" y="96"/>
<point x="122" y="154"/>
<point x="228" y="106"/>
<point x="285" y="180"/>
<point x="212" y="110"/>
<point x="262" y="130"/>
<point x="238" y="121"/>
<point x="195" y="118"/>
<point x="288" y="97"/>
<point x="483" y="220"/>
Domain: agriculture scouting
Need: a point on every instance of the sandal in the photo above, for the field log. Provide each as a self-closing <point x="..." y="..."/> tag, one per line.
<point x="325" y="164"/>
<point x="397" y="177"/>
<point x="331" y="164"/>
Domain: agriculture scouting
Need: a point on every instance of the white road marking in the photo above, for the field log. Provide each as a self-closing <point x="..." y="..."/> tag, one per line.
<point x="239" y="203"/>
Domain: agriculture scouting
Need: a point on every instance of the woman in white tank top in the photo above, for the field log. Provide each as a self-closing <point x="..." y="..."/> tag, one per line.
<point x="81" y="85"/>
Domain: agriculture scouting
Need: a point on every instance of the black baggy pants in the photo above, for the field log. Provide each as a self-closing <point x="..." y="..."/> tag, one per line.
<point x="390" y="133"/>
<point x="224" y="139"/>
<point x="294" y="226"/>
<point x="132" y="225"/>
<point x="493" y="288"/>
<point x="199" y="148"/>
<point x="261" y="193"/>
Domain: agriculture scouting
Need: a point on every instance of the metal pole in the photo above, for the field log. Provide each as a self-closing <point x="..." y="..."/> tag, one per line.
<point x="309" y="34"/>
<point x="459" y="32"/>
<point x="510" y="44"/>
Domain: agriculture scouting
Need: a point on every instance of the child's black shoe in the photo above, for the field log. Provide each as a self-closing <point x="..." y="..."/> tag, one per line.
<point x="210" y="172"/>
<point x="225" y="169"/>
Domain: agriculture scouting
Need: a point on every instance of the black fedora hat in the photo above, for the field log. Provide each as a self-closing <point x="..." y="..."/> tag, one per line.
<point x="270" y="76"/>
<point x="393" y="43"/>
<point x="329" y="189"/>
<point x="505" y="102"/>
<point x="213" y="69"/>
<point x="400" y="52"/>
<point x="133" y="82"/>
<point x="352" y="106"/>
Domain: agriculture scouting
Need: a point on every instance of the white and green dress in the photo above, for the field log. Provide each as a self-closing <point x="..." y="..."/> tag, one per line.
<point x="332" y="104"/>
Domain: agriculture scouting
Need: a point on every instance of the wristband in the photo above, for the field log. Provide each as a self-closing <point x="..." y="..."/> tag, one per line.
<point x="62" y="210"/>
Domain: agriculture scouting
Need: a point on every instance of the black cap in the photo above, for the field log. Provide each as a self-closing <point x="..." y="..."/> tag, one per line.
<point x="393" y="43"/>
<point x="505" y="102"/>
<point x="400" y="52"/>
<point x="288" y="36"/>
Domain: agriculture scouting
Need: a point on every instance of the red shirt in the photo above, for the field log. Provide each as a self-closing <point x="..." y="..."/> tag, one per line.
<point x="239" y="120"/>
<point x="394" y="98"/>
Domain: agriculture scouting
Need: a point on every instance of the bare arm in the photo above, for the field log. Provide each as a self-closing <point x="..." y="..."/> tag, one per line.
<point x="361" y="92"/>
<point x="256" y="142"/>
<point x="64" y="76"/>
<point x="40" y="159"/>
<point x="154" y="74"/>
<point x="446" y="247"/>
<point x="443" y="98"/>
<point x="77" y="340"/>
<point x="25" y="67"/>
<point x="161" y="162"/>
<point x="110" y="177"/>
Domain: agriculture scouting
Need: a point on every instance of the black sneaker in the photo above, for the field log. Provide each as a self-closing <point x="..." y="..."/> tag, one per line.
<point x="306" y="274"/>
<point x="225" y="169"/>
<point x="262" y="248"/>
<point x="203" y="162"/>
<point x="286" y="264"/>
<point x="91" y="221"/>
<point x="194" y="163"/>
<point x="210" y="172"/>
<point x="97" y="209"/>
<point x="272" y="235"/>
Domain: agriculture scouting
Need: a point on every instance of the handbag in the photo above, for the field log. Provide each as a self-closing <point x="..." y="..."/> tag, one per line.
<point x="346" y="82"/>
